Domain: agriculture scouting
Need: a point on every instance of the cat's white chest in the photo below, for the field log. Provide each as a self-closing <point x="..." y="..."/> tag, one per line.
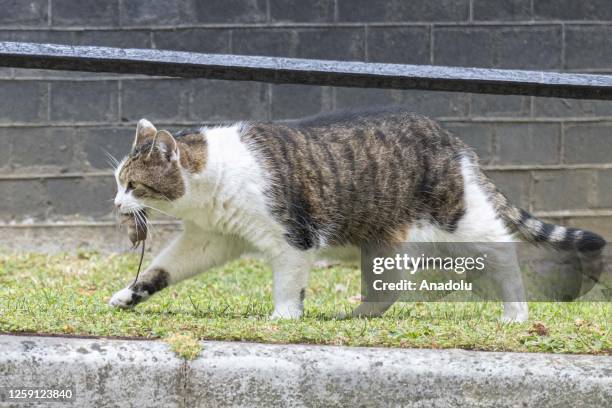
<point x="225" y="212"/>
<point x="229" y="196"/>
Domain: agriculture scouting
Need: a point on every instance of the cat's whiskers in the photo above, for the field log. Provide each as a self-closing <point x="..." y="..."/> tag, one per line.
<point x="144" y="220"/>
<point x="156" y="209"/>
<point x="149" y="225"/>
<point x="111" y="160"/>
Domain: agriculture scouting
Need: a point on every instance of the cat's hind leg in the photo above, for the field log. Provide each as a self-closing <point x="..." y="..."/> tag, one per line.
<point x="371" y="309"/>
<point x="380" y="306"/>
<point x="506" y="273"/>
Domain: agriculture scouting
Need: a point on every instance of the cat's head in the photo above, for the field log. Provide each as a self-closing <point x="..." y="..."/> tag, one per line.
<point x="151" y="172"/>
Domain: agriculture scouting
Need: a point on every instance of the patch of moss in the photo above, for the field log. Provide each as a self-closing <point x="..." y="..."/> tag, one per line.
<point x="184" y="345"/>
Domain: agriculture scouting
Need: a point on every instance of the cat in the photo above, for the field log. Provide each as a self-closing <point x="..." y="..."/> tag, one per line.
<point x="297" y="190"/>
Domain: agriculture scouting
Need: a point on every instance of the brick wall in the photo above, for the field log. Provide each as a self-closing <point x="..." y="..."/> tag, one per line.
<point x="551" y="156"/>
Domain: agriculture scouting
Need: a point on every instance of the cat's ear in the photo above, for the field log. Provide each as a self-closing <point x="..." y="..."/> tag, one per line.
<point x="168" y="143"/>
<point x="144" y="131"/>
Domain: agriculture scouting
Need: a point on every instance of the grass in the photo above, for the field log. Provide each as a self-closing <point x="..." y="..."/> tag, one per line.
<point x="185" y="345"/>
<point x="68" y="294"/>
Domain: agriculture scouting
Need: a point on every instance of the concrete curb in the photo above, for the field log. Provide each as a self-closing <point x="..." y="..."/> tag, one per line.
<point x="146" y="373"/>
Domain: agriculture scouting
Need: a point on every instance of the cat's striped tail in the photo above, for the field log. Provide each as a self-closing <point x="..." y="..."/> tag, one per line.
<point x="531" y="229"/>
<point x="536" y="231"/>
<point x="586" y="245"/>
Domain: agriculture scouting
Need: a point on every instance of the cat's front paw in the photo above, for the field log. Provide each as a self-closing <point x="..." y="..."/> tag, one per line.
<point x="125" y="298"/>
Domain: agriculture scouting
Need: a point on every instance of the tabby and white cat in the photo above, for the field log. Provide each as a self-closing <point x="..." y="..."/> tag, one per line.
<point x="297" y="190"/>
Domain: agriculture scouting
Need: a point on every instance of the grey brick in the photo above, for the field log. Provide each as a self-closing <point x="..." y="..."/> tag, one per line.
<point x="193" y="39"/>
<point x="214" y="100"/>
<point x="536" y="143"/>
<point x="24" y="13"/>
<point x="588" y="47"/>
<point x="84" y="101"/>
<point x="587" y="143"/>
<point x="562" y="108"/>
<point x="113" y="38"/>
<point x="532" y="48"/>
<point x="88" y="197"/>
<point x="338" y="43"/>
<point x="477" y="135"/>
<point x="22" y="199"/>
<point x="302" y="11"/>
<point x="604" y="188"/>
<point x="226" y="11"/>
<point x="513" y="184"/>
<point x="500" y="47"/>
<point x="23" y="101"/>
<point x="343" y="43"/>
<point x="295" y="101"/>
<point x="401" y="45"/>
<point x="572" y="10"/>
<point x="100" y="141"/>
<point x="85" y="13"/>
<point x="5" y="146"/>
<point x="39" y="36"/>
<point x="39" y="148"/>
<point x="435" y="104"/>
<point x="500" y="105"/>
<point x="506" y="10"/>
<point x="271" y="42"/>
<point x="150" y="12"/>
<point x="400" y="10"/>
<point x="156" y="99"/>
<point x="560" y="190"/>
<point x="358" y="98"/>
<point x="474" y="46"/>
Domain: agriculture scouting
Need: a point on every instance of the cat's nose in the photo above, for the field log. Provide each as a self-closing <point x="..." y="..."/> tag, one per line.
<point x="117" y="204"/>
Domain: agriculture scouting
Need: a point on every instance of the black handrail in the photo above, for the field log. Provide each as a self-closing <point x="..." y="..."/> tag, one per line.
<point x="304" y="71"/>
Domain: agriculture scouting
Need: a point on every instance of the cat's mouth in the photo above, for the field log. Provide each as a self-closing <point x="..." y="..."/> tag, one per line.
<point x="130" y="210"/>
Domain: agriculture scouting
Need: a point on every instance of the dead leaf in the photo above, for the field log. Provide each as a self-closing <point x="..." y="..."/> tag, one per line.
<point x="539" y="329"/>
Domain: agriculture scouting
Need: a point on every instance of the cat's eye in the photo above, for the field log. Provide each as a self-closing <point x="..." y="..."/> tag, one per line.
<point x="129" y="187"/>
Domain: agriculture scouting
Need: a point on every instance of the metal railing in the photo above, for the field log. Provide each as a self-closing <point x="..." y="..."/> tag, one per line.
<point x="313" y="72"/>
<point x="304" y="71"/>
